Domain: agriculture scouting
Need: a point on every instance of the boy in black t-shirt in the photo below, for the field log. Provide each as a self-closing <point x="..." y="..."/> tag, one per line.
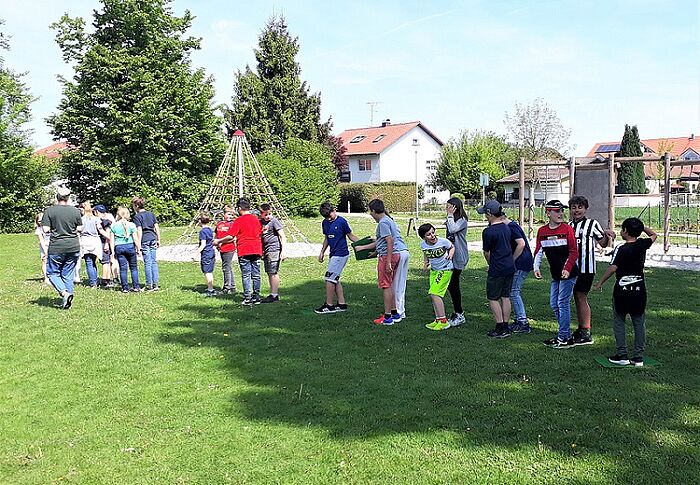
<point x="629" y="294"/>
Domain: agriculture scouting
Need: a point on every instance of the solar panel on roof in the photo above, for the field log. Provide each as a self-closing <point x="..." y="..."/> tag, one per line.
<point x="613" y="147"/>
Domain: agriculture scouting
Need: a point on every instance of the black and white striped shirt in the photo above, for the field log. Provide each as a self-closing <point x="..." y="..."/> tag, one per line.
<point x="588" y="232"/>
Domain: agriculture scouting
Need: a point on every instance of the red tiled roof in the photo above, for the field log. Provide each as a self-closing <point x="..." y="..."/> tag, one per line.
<point x="392" y="133"/>
<point x="677" y="145"/>
<point x="52" y="151"/>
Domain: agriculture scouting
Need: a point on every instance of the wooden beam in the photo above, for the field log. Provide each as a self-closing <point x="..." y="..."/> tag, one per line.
<point x="667" y="201"/>
<point x="521" y="193"/>
<point x="572" y="176"/>
<point x="611" y="192"/>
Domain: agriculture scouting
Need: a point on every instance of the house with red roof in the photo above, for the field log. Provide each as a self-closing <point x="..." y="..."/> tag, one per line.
<point x="403" y="152"/>
<point x="681" y="148"/>
<point x="52" y="151"/>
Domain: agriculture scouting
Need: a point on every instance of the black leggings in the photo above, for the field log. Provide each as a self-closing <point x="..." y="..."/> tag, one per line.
<point x="455" y="292"/>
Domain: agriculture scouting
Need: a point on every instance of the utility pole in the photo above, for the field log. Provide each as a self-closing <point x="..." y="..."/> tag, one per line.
<point x="372" y="108"/>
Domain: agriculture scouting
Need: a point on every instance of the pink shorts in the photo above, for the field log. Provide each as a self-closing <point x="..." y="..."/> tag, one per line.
<point x="384" y="278"/>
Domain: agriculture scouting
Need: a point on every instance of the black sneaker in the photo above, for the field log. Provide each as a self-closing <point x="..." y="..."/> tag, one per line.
<point x="227" y="291"/>
<point x="153" y="288"/>
<point x="247" y="301"/>
<point x="520" y="327"/>
<point x="500" y="332"/>
<point x="341" y="307"/>
<point x="270" y="299"/>
<point x="125" y="290"/>
<point x="555" y="343"/>
<point x="255" y="300"/>
<point x="637" y="361"/>
<point x="619" y="359"/>
<point x="325" y="309"/>
<point x="583" y="338"/>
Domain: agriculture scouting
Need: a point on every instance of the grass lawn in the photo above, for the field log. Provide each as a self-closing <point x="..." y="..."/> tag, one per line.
<point x="173" y="387"/>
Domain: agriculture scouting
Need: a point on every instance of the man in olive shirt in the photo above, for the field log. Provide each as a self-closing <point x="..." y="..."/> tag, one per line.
<point x="64" y="224"/>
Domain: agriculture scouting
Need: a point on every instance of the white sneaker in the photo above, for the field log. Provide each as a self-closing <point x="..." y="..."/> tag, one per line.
<point x="458" y="320"/>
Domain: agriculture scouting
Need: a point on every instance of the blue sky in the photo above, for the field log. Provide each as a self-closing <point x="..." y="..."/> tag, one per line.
<point x="454" y="65"/>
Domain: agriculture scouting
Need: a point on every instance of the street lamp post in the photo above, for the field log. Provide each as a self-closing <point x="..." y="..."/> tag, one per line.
<point x="415" y="145"/>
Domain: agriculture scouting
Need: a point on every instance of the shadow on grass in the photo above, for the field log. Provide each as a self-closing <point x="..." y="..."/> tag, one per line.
<point x="47" y="301"/>
<point x="343" y="374"/>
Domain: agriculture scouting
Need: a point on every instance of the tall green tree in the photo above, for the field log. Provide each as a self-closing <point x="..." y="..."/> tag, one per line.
<point x="140" y="117"/>
<point x="272" y="103"/>
<point x="22" y="176"/>
<point x="463" y="159"/>
<point x="630" y="176"/>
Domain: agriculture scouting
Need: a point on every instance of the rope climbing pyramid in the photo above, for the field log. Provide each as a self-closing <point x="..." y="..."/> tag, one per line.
<point x="240" y="175"/>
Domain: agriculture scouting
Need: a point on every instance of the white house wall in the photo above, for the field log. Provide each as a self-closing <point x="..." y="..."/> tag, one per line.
<point x="358" y="176"/>
<point x="398" y="162"/>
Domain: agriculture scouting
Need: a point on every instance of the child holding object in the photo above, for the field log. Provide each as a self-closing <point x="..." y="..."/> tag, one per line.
<point x="630" y="293"/>
<point x="392" y="264"/>
<point x="437" y="256"/>
<point x="206" y="253"/>
<point x="336" y="232"/>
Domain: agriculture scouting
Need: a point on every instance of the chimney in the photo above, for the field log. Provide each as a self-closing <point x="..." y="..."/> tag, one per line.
<point x="386" y="123"/>
<point x="692" y="136"/>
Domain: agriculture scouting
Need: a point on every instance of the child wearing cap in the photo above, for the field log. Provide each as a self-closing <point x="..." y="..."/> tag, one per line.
<point x="588" y="233"/>
<point x="501" y="267"/>
<point x="630" y="293"/>
<point x="557" y="242"/>
<point x="437" y="256"/>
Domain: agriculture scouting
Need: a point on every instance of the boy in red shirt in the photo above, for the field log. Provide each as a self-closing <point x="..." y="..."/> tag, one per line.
<point x="246" y="230"/>
<point x="227" y="250"/>
<point x="556" y="240"/>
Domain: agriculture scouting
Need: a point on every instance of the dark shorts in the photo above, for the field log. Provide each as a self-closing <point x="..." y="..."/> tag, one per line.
<point x="498" y="287"/>
<point x="272" y="262"/>
<point x="206" y="262"/>
<point x="584" y="282"/>
<point x="106" y="256"/>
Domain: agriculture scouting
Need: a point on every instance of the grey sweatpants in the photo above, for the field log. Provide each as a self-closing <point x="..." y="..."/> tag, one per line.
<point x="621" y="337"/>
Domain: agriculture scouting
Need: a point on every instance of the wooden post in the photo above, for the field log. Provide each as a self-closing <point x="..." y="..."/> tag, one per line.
<point x="611" y="192"/>
<point x="572" y="176"/>
<point x="531" y="211"/>
<point x="667" y="201"/>
<point x="521" y="193"/>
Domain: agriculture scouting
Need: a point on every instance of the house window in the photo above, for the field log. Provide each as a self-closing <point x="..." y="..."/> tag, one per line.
<point x="364" y="165"/>
<point x="358" y="139"/>
<point x="379" y="138"/>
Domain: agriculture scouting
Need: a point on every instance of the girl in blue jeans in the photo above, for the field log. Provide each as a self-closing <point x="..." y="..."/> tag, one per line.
<point x="124" y="243"/>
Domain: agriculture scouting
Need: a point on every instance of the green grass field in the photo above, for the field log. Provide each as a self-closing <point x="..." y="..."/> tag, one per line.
<point x="172" y="387"/>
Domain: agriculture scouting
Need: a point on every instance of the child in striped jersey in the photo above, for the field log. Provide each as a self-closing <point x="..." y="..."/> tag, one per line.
<point x="588" y="233"/>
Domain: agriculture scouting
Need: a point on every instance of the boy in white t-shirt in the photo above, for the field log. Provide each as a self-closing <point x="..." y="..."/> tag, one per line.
<point x="437" y="255"/>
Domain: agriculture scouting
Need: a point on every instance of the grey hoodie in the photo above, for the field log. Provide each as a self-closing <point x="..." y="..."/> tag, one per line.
<point x="457" y="230"/>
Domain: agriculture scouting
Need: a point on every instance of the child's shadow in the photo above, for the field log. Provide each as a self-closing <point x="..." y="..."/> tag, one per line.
<point x="47" y="302"/>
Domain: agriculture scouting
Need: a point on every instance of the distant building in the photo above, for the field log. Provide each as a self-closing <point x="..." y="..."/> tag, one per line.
<point x="52" y="151"/>
<point x="681" y="148"/>
<point x="390" y="152"/>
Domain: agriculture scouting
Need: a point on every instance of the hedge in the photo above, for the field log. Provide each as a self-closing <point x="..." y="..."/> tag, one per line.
<point x="397" y="196"/>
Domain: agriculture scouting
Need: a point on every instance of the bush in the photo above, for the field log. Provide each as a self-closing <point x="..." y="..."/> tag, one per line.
<point x="302" y="176"/>
<point x="458" y="196"/>
<point x="22" y="193"/>
<point x="397" y="196"/>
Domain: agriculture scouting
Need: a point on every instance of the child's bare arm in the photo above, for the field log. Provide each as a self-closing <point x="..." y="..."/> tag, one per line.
<point x="451" y="252"/>
<point x="650" y="232"/>
<point x="352" y="237"/>
<point x="202" y="245"/>
<point x="608" y="273"/>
